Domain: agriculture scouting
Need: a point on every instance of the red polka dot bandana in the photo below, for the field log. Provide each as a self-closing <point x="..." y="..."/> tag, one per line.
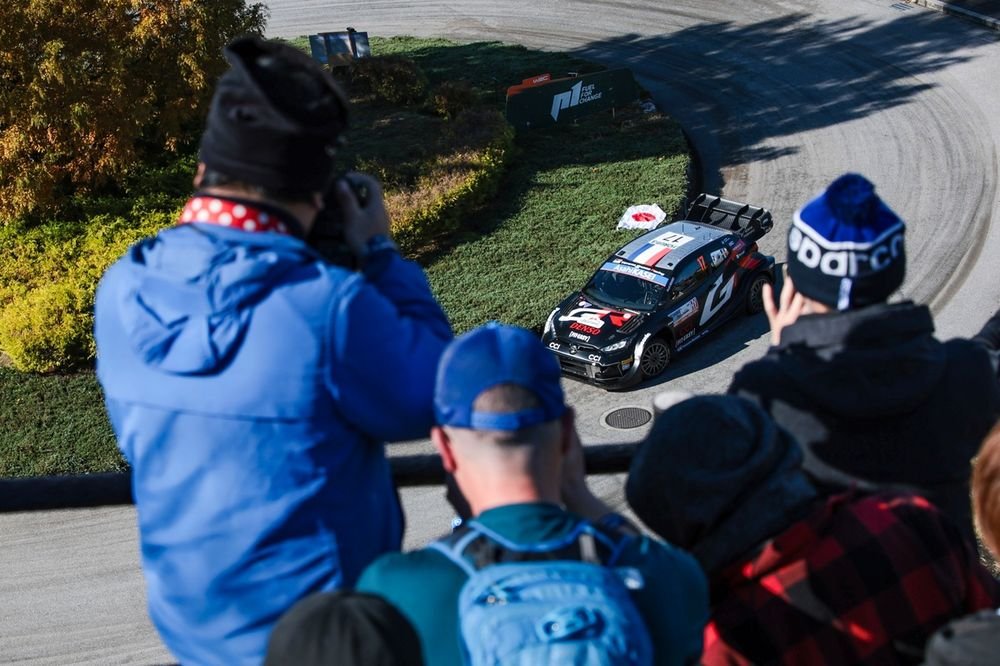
<point x="213" y="210"/>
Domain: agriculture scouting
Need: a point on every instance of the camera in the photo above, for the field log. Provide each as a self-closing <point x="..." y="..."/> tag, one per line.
<point x="327" y="235"/>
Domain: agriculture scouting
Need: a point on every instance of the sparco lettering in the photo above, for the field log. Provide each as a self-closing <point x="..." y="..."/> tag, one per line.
<point x="844" y="262"/>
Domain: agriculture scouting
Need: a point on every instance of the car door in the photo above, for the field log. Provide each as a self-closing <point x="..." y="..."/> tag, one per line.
<point x="686" y="296"/>
<point x="720" y="283"/>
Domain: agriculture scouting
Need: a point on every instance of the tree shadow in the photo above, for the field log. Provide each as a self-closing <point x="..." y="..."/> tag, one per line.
<point x="742" y="92"/>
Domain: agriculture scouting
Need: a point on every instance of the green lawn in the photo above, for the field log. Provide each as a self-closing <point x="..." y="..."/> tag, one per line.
<point x="551" y="225"/>
<point x="54" y="425"/>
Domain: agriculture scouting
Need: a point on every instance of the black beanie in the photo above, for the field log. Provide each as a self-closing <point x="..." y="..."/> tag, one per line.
<point x="345" y="628"/>
<point x="845" y="247"/>
<point x="715" y="476"/>
<point x="275" y="118"/>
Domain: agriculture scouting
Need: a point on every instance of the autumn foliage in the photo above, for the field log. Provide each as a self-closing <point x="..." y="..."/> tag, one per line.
<point x="90" y="87"/>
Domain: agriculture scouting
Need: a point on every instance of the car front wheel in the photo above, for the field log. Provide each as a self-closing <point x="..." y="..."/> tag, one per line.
<point x="655" y="358"/>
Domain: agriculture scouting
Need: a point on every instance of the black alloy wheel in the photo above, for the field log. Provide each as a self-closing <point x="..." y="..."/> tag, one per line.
<point x="655" y="357"/>
<point x="755" y="295"/>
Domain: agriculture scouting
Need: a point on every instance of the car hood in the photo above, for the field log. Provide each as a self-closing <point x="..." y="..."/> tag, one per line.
<point x="582" y="321"/>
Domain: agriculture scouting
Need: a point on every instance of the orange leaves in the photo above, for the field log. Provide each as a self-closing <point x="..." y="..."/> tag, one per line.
<point x="87" y="86"/>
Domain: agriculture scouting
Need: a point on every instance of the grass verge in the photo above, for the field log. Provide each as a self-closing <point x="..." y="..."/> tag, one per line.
<point x="54" y="424"/>
<point x="549" y="227"/>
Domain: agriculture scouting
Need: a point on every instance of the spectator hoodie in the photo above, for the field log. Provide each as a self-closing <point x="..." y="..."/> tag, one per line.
<point x="874" y="399"/>
<point x="250" y="386"/>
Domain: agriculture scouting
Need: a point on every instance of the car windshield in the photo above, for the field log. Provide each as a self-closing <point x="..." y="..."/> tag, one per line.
<point x="618" y="289"/>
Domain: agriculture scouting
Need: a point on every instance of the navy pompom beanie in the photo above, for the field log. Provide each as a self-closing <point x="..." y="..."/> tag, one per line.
<point x="845" y="247"/>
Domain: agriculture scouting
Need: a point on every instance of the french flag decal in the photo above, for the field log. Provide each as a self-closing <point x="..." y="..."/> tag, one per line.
<point x="660" y="246"/>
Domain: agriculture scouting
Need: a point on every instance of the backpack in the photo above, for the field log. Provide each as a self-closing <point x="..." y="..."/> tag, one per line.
<point x="558" y="602"/>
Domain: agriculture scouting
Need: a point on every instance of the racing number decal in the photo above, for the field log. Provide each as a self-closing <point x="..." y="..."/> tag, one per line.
<point x="716" y="299"/>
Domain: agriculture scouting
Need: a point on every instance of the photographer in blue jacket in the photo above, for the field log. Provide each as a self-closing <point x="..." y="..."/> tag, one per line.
<point x="251" y="382"/>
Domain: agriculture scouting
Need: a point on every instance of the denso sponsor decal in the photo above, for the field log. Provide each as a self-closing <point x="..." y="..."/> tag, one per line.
<point x="635" y="271"/>
<point x="685" y="311"/>
<point x="843" y="259"/>
<point x="589" y="330"/>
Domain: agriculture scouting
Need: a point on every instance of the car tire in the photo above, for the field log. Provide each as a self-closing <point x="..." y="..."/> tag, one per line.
<point x="655" y="358"/>
<point x="755" y="294"/>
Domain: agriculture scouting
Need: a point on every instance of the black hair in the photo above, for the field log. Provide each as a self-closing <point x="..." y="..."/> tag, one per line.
<point x="213" y="178"/>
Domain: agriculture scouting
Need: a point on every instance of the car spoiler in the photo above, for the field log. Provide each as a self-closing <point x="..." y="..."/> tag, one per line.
<point x="750" y="222"/>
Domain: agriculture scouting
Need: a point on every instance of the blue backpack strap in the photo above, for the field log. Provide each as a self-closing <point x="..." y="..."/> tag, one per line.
<point x="454" y="545"/>
<point x="474" y="546"/>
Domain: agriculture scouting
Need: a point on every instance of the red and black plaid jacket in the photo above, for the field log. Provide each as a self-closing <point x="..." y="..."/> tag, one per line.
<point x="863" y="580"/>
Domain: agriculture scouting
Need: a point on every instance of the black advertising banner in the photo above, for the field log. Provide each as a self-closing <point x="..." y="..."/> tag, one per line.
<point x="565" y="100"/>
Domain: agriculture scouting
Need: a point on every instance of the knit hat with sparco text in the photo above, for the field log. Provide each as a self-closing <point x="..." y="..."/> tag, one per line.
<point x="845" y="247"/>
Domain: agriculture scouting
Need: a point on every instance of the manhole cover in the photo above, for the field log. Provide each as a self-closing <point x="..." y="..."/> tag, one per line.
<point x="628" y="417"/>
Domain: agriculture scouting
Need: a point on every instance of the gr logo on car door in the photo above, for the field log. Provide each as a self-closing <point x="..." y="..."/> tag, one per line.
<point x="718" y="296"/>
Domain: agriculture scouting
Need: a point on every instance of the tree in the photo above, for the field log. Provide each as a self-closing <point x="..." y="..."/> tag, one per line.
<point x="89" y="87"/>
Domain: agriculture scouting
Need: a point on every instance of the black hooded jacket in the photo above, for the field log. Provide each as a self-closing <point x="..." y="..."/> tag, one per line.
<point x="874" y="398"/>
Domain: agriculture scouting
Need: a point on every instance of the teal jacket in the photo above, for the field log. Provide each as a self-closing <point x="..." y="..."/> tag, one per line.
<point x="425" y="585"/>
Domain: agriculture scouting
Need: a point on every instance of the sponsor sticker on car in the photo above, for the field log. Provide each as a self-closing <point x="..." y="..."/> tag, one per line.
<point x="685" y="311"/>
<point x="635" y="271"/>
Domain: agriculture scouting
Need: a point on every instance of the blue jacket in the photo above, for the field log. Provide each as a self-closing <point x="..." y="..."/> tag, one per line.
<point x="251" y="386"/>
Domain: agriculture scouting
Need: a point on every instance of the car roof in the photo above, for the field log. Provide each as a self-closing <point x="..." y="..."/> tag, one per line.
<point x="665" y="247"/>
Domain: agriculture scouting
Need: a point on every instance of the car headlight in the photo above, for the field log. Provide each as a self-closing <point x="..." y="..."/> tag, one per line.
<point x="550" y="323"/>
<point x="621" y="344"/>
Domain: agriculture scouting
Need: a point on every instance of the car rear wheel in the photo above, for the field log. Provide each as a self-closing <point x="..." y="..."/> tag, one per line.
<point x="755" y="295"/>
<point x="655" y="358"/>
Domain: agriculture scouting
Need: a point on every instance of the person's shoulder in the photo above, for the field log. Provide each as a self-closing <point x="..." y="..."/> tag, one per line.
<point x="968" y="355"/>
<point x="897" y="513"/>
<point x="660" y="559"/>
<point x="394" y="569"/>
<point x="761" y="375"/>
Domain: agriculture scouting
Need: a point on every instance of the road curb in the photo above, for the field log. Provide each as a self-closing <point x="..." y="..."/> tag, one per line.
<point x="957" y="10"/>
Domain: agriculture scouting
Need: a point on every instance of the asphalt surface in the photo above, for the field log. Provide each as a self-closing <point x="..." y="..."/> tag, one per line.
<point x="779" y="98"/>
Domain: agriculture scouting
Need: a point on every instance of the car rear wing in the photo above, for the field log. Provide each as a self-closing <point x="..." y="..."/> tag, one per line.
<point x="750" y="222"/>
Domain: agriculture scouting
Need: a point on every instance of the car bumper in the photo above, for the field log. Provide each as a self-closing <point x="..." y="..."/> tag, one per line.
<point x="590" y="366"/>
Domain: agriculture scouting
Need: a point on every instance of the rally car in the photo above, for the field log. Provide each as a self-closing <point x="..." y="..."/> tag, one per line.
<point x="661" y="292"/>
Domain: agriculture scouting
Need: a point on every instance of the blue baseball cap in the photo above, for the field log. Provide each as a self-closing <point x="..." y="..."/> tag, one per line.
<point x="489" y="356"/>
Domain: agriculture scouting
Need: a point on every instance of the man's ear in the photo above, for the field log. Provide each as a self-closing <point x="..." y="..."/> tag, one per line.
<point x="443" y="445"/>
<point x="199" y="175"/>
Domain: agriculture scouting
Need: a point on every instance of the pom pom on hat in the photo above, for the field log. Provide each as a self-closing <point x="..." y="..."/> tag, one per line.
<point x="845" y="247"/>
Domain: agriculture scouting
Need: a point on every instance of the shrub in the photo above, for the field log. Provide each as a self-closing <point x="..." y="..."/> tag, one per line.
<point x="390" y="79"/>
<point x="48" y="277"/>
<point x="450" y="98"/>
<point x="86" y="87"/>
<point x="455" y="183"/>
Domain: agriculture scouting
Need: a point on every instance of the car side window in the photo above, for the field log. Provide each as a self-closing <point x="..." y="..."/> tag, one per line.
<point x="690" y="275"/>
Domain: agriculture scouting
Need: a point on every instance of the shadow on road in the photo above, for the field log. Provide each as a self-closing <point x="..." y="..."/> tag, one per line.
<point x="734" y="87"/>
